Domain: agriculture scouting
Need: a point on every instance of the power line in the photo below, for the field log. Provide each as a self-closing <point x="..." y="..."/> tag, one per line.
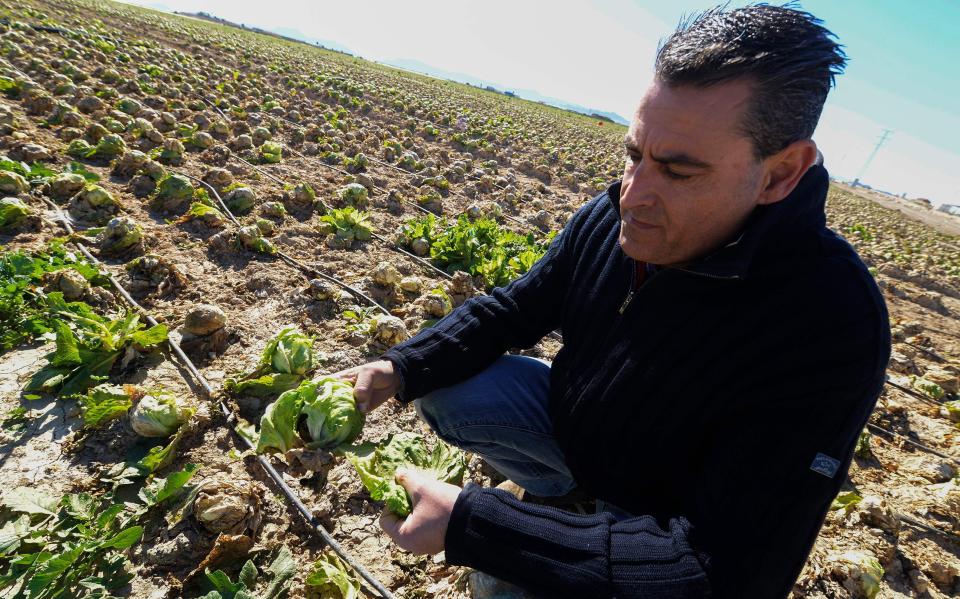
<point x="883" y="137"/>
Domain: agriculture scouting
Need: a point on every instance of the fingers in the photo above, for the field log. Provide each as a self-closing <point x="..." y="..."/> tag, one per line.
<point x="362" y="389"/>
<point x="391" y="524"/>
<point x="412" y="480"/>
<point x="349" y="375"/>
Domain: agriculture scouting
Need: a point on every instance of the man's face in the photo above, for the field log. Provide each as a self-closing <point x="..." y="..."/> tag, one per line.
<point x="691" y="177"/>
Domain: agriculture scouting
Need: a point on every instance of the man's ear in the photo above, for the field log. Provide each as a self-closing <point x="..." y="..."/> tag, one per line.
<point x="785" y="168"/>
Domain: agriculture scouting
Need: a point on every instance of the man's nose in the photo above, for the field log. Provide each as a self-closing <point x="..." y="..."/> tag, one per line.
<point x="637" y="192"/>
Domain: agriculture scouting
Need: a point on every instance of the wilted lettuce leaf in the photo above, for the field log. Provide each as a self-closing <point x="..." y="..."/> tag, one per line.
<point x="162" y="489"/>
<point x="86" y="351"/>
<point x="12" y="211"/>
<point x="267" y="385"/>
<point x="30" y="500"/>
<point x="104" y="403"/>
<point x="376" y="465"/>
<point x="332" y="576"/>
<point x="159" y="414"/>
<point x="151" y="337"/>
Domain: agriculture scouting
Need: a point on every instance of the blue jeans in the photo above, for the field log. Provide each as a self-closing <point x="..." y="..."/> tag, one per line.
<point x="501" y="414"/>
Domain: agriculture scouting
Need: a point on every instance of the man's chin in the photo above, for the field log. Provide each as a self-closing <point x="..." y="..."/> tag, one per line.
<point x="637" y="251"/>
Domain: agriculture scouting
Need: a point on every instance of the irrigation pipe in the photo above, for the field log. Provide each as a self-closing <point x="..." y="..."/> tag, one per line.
<point x="308" y="271"/>
<point x="386" y="164"/>
<point x="231" y="417"/>
<point x="879" y="429"/>
<point x="289" y="259"/>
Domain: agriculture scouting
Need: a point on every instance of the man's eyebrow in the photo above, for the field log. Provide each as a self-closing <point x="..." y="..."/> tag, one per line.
<point x="681" y="159"/>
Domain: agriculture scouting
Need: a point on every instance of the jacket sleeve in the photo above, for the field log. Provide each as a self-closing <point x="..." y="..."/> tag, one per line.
<point x="472" y="336"/>
<point x="562" y="554"/>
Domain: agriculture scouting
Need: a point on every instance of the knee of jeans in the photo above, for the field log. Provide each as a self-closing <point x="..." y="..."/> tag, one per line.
<point x="548" y="487"/>
<point x="429" y="409"/>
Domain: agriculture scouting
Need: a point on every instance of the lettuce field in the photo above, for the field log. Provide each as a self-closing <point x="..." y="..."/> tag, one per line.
<point x="199" y="223"/>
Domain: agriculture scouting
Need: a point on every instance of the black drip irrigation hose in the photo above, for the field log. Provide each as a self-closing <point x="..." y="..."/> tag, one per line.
<point x="935" y="356"/>
<point x="912" y="393"/>
<point x="304" y="269"/>
<point x="380" y="162"/>
<point x="312" y="271"/>
<point x="907" y="518"/>
<point x="880" y="430"/>
<point x="231" y="418"/>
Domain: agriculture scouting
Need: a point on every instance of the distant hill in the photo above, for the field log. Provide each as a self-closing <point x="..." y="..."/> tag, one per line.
<point x="299" y="35"/>
<point x="287" y="33"/>
<point x="418" y="66"/>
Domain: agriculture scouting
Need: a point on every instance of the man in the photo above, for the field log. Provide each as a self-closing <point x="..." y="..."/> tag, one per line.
<point x="722" y="349"/>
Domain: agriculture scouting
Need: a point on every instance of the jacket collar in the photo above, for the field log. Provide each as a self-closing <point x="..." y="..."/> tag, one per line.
<point x="802" y="210"/>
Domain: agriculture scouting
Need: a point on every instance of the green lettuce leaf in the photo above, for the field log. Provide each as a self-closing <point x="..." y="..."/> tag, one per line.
<point x="278" y="426"/>
<point x="331" y="575"/>
<point x="377" y="464"/>
<point x="104" y="403"/>
<point x="332" y="414"/>
<point x="268" y="385"/>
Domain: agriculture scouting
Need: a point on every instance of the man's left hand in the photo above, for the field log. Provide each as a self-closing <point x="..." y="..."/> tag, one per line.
<point x="424" y="529"/>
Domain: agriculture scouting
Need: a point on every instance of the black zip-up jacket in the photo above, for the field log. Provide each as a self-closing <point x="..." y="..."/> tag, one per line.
<point x="721" y="404"/>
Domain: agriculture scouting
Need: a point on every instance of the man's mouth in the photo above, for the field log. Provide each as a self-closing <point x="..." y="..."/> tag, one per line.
<point x="636" y="224"/>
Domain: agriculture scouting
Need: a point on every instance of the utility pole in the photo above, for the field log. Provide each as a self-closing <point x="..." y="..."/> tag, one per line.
<point x="883" y="137"/>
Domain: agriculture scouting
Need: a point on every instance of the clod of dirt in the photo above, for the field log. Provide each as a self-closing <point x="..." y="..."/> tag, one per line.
<point x="67" y="281"/>
<point x="177" y="552"/>
<point x="204" y="319"/>
<point x="303" y="461"/>
<point x="874" y="511"/>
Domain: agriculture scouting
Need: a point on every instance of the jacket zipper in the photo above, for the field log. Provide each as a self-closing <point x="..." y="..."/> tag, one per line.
<point x="632" y="291"/>
<point x="708" y="275"/>
<point x="626" y="302"/>
<point x="633" y="280"/>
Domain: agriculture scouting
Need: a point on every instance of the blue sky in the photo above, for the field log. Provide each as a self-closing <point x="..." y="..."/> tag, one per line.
<point x="902" y="72"/>
<point x="902" y="69"/>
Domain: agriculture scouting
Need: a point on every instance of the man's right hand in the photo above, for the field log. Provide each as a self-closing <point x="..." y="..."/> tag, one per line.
<point x="373" y="383"/>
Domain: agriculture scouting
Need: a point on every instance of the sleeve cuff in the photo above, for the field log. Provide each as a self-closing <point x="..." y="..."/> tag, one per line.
<point x="455" y="542"/>
<point x="400" y="369"/>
